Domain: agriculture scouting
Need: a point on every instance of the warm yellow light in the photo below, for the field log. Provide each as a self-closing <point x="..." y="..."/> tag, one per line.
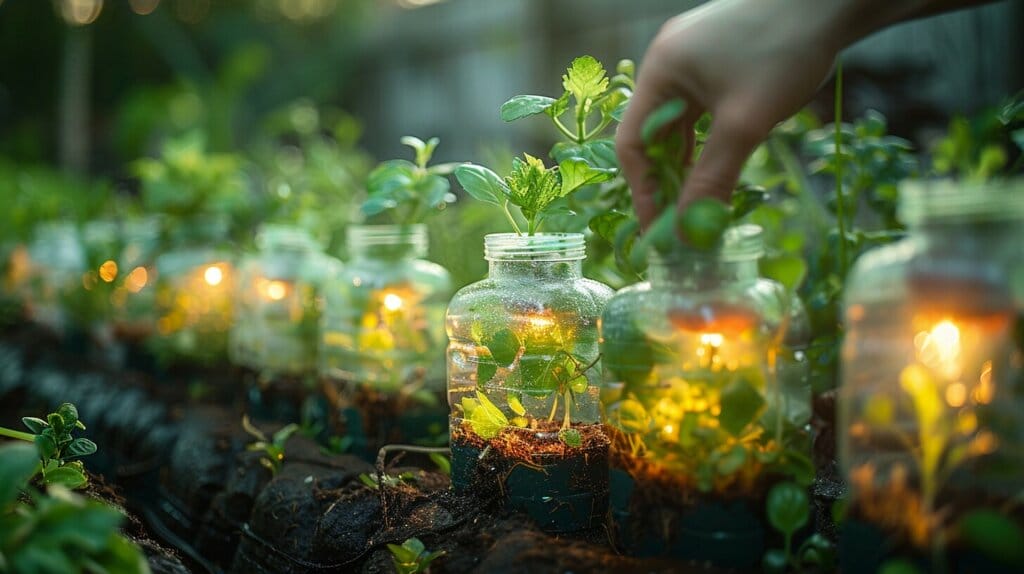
<point x="108" y="271"/>
<point x="540" y="321"/>
<point x="940" y="348"/>
<point x="137" y="279"/>
<point x="956" y="394"/>
<point x="80" y="12"/>
<point x="213" y="275"/>
<point x="392" y="302"/>
<point x="276" y="290"/>
<point x="712" y="339"/>
<point x="143" y="7"/>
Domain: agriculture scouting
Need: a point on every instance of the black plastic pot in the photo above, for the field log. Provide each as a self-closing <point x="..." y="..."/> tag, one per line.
<point x="560" y="494"/>
<point x="726" y="534"/>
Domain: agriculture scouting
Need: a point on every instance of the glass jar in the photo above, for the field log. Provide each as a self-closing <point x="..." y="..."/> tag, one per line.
<point x="194" y="296"/>
<point x="523" y="372"/>
<point x="56" y="268"/>
<point x="135" y="297"/>
<point x="382" y="337"/>
<point x="705" y="411"/>
<point x="931" y="420"/>
<point x="277" y="315"/>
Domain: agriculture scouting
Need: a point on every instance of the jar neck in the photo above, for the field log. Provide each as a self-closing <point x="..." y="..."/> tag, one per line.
<point x="964" y="236"/>
<point x="285" y="239"/>
<point x="701" y="271"/>
<point x="387" y="242"/>
<point x="539" y="256"/>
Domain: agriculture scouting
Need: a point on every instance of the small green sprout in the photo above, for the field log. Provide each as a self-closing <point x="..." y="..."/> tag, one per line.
<point x="57" y="446"/>
<point x="272" y="448"/>
<point x="387" y="481"/>
<point x="412" y="556"/>
<point x="407" y="192"/>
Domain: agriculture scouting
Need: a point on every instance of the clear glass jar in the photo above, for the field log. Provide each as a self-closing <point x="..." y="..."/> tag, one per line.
<point x="277" y="313"/>
<point x="195" y="289"/>
<point x="931" y="420"/>
<point x="56" y="268"/>
<point x="383" y="321"/>
<point x="523" y="372"/>
<point x="703" y="401"/>
<point x="134" y="299"/>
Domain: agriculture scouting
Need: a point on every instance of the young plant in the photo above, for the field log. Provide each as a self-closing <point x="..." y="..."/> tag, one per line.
<point x="57" y="531"/>
<point x="412" y="556"/>
<point x="788" y="509"/>
<point x="386" y="480"/>
<point x="57" y="446"/>
<point x="272" y="448"/>
<point x="407" y="192"/>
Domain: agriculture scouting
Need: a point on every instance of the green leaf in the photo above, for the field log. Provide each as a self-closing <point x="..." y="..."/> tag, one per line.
<point x="731" y="461"/>
<point x="68" y="414"/>
<point x="661" y="117"/>
<point x="424" y="150"/>
<point x="523" y="106"/>
<point x="532" y="186"/>
<point x="46" y="445"/>
<point x="485" y="370"/>
<point x="284" y="433"/>
<point x="576" y="173"/>
<point x="80" y="447"/>
<point x="504" y="346"/>
<point x="788" y="507"/>
<point x="585" y="80"/>
<point x="402" y="554"/>
<point x="486" y="419"/>
<point x="620" y="110"/>
<point x="17" y="466"/>
<point x="481" y="183"/>
<point x="66" y="476"/>
<point x="571" y="438"/>
<point x="597" y="152"/>
<point x="559" y="106"/>
<point x="36" y="425"/>
<point x="704" y="222"/>
<point x="515" y="404"/>
<point x="747" y="198"/>
<point x="995" y="535"/>
<point x="741" y="403"/>
<point x="444" y="464"/>
<point x="789" y="270"/>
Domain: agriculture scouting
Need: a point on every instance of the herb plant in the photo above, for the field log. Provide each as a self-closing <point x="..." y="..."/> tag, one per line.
<point x="57" y="446"/>
<point x="412" y="556"/>
<point x="407" y="192"/>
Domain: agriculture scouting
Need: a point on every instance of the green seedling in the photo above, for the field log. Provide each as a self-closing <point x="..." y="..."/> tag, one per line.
<point x="405" y="192"/>
<point x="386" y="480"/>
<point x="412" y="556"/>
<point x="272" y="448"/>
<point x="57" y="446"/>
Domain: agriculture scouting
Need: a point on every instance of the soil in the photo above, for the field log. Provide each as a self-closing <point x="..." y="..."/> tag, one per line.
<point x="525" y="444"/>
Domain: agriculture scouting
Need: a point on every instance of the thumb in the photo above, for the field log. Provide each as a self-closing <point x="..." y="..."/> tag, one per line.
<point x="729" y="143"/>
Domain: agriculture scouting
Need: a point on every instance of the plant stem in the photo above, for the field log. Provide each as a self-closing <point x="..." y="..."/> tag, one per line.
<point x="838" y="133"/>
<point x="565" y="131"/>
<point x="28" y="437"/>
<point x="511" y="219"/>
<point x="600" y="127"/>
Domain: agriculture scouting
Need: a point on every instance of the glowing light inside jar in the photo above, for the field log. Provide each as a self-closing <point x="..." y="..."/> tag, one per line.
<point x="137" y="279"/>
<point x="276" y="290"/>
<point x="108" y="271"/>
<point x="392" y="302"/>
<point x="213" y="275"/>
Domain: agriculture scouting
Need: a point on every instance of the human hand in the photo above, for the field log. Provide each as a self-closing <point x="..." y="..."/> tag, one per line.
<point x="750" y="63"/>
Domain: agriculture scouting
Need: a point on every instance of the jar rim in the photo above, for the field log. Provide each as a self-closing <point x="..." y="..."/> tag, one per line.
<point x="537" y="247"/>
<point x="361" y="236"/>
<point x="946" y="200"/>
<point x="287" y="236"/>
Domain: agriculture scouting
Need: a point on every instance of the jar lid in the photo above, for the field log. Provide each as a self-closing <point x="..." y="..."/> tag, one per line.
<point x="537" y="247"/>
<point x="951" y="201"/>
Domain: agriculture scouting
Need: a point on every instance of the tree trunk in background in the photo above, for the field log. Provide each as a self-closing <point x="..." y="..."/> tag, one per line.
<point x="73" y="101"/>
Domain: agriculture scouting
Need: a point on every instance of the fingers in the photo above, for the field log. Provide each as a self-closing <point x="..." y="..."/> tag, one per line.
<point x="729" y="143"/>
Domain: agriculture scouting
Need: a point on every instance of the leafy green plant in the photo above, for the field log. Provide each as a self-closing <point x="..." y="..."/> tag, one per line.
<point x="407" y="192"/>
<point x="273" y="447"/>
<point x="57" y="531"/>
<point x="58" y="447"/>
<point x="788" y="510"/>
<point x="412" y="556"/>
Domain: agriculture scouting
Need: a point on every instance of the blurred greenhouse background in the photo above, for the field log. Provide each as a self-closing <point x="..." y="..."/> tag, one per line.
<point x="256" y="110"/>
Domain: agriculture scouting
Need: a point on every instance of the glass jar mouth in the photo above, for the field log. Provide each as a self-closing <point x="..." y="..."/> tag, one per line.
<point x="538" y="247"/>
<point x="272" y="235"/>
<point x="948" y="201"/>
<point x="362" y="237"/>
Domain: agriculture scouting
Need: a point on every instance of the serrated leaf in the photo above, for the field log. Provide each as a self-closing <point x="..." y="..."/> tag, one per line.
<point x="585" y="79"/>
<point x="481" y="183"/>
<point x="576" y="172"/>
<point x="523" y="106"/>
<point x="531" y="185"/>
<point x="662" y="116"/>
